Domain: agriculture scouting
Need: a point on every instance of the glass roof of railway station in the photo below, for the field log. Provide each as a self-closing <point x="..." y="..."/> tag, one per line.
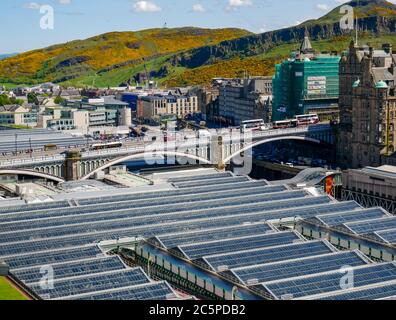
<point x="223" y="224"/>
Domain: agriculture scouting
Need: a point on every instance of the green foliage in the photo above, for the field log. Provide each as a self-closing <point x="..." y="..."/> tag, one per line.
<point x="17" y="101"/>
<point x="59" y="100"/>
<point x="8" y="292"/>
<point x="31" y="97"/>
<point x="86" y="57"/>
<point x="16" y="126"/>
<point x="5" y="100"/>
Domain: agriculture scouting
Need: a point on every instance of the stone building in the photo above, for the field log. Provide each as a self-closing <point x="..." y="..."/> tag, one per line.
<point x="245" y="99"/>
<point x="371" y="187"/>
<point x="155" y="106"/>
<point x="366" y="133"/>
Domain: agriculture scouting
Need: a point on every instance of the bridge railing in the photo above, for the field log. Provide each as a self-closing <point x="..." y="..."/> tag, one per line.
<point x="28" y="161"/>
<point x="141" y="147"/>
<point x="110" y="152"/>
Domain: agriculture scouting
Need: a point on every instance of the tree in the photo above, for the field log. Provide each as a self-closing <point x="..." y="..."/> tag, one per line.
<point x="18" y="101"/>
<point x="59" y="100"/>
<point x="31" y="97"/>
<point x="4" y="100"/>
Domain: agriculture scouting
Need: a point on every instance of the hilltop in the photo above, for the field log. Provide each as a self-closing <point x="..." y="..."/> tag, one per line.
<point x="108" y="51"/>
<point x="188" y="56"/>
<point x="377" y="20"/>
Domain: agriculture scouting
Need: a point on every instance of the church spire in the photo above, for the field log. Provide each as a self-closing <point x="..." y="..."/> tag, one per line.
<point x="306" y="46"/>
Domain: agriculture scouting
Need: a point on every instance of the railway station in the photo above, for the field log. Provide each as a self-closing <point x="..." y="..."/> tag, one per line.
<point x="194" y="234"/>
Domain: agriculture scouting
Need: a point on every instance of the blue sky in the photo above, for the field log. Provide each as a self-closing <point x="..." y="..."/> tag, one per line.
<point x="79" y="19"/>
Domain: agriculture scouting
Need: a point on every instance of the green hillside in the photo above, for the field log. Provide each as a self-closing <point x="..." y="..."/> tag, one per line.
<point x="108" y="51"/>
<point x="189" y="56"/>
<point x="262" y="64"/>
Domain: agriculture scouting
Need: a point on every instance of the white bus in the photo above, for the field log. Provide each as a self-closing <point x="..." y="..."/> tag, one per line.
<point x="253" y="125"/>
<point x="307" y="119"/>
<point x="284" y="124"/>
<point x="106" y="145"/>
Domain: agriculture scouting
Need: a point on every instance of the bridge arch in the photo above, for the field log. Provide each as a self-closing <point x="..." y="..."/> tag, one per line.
<point x="139" y="155"/>
<point x="258" y="143"/>
<point x="31" y="173"/>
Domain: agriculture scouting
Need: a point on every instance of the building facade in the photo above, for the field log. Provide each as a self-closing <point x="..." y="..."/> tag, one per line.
<point x="306" y="83"/>
<point x="16" y="115"/>
<point x="245" y="99"/>
<point x="153" y="107"/>
<point x="366" y="133"/>
<point x="371" y="187"/>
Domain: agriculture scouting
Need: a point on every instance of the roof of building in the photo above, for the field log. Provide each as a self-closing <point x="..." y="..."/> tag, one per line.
<point x="383" y="74"/>
<point x="11" y="108"/>
<point x="356" y="83"/>
<point x="217" y="220"/>
<point x="109" y="100"/>
<point x="36" y="139"/>
<point x="329" y="281"/>
<point x="69" y="92"/>
<point x="385" y="171"/>
<point x="381" y="85"/>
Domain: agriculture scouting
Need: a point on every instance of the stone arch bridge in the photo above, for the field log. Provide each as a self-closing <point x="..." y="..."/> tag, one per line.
<point x="218" y="150"/>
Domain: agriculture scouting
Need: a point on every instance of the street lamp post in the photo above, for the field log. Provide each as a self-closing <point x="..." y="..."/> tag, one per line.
<point x="30" y="147"/>
<point x="16" y="143"/>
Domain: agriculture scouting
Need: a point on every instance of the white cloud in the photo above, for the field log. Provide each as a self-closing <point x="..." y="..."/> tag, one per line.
<point x="263" y="29"/>
<point x="323" y="7"/>
<point x="233" y="4"/>
<point x="239" y="3"/>
<point x="32" y="5"/>
<point x="198" y="8"/>
<point x="146" y="6"/>
<point x="37" y="6"/>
